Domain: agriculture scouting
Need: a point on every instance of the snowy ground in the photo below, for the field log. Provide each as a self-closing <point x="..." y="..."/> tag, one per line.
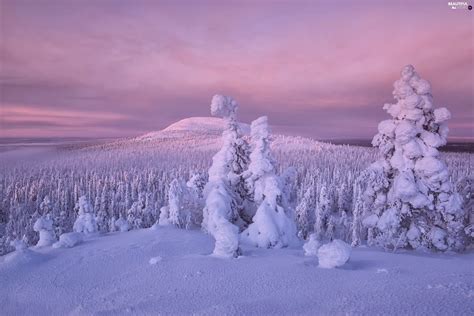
<point x="169" y="271"/>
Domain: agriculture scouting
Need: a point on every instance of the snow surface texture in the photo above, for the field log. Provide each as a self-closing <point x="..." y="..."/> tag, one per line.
<point x="113" y="275"/>
<point x="334" y="254"/>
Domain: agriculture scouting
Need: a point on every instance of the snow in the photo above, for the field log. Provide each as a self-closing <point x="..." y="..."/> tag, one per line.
<point x="223" y="106"/>
<point x="334" y="254"/>
<point x="441" y="115"/>
<point x="311" y="246"/>
<point x="69" y="240"/>
<point x="155" y="260"/>
<point x="272" y="225"/>
<point x="420" y="207"/>
<point x="44" y="226"/>
<point x="111" y="275"/>
<point x="85" y="222"/>
<point x="122" y="225"/>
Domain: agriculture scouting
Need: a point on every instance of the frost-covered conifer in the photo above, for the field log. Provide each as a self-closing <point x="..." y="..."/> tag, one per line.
<point x="176" y="203"/>
<point x="225" y="191"/>
<point x="273" y="225"/>
<point x="46" y="206"/>
<point x="304" y="213"/>
<point x="85" y="222"/>
<point x="185" y="203"/>
<point x="135" y="213"/>
<point x="101" y="217"/>
<point x="409" y="199"/>
<point x="322" y="214"/>
<point x="44" y="226"/>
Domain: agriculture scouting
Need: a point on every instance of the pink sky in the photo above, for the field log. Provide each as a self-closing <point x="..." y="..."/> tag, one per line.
<point x="316" y="68"/>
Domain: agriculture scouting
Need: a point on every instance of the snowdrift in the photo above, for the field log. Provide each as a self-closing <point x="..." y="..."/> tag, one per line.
<point x="169" y="271"/>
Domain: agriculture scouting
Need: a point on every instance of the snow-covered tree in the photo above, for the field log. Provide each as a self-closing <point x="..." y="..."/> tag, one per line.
<point x="465" y="188"/>
<point x="44" y="226"/>
<point x="225" y="191"/>
<point x="185" y="203"/>
<point x="322" y="214"/>
<point x="410" y="201"/>
<point x="304" y="213"/>
<point x="46" y="206"/>
<point x="273" y="225"/>
<point x="135" y="213"/>
<point x="85" y="221"/>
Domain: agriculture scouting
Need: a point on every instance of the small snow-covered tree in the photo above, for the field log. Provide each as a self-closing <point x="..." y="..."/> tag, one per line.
<point x="85" y="221"/>
<point x="101" y="217"/>
<point x="411" y="201"/>
<point x="176" y="202"/>
<point x="465" y="189"/>
<point x="273" y="225"/>
<point x="135" y="213"/>
<point x="46" y="206"/>
<point x="44" y="226"/>
<point x="185" y="204"/>
<point x="304" y="213"/>
<point x="344" y="205"/>
<point x="322" y="213"/>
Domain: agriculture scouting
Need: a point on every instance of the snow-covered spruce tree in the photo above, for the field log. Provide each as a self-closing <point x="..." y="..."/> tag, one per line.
<point x="85" y="221"/>
<point x="195" y="199"/>
<point x="465" y="188"/>
<point x="46" y="206"/>
<point x="344" y="205"/>
<point x="409" y="199"/>
<point x="135" y="213"/>
<point x="185" y="203"/>
<point x="273" y="226"/>
<point x="44" y="226"/>
<point x="225" y="193"/>
<point x="323" y="212"/>
<point x="304" y="213"/>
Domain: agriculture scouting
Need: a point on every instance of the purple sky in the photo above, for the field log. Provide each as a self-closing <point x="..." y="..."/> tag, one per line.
<point x="316" y="68"/>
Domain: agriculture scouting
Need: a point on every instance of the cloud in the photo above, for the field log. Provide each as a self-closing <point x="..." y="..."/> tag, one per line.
<point x="304" y="64"/>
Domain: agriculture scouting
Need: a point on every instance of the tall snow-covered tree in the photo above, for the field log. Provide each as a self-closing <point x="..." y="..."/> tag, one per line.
<point x="411" y="201"/>
<point x="225" y="191"/>
<point x="273" y="225"/>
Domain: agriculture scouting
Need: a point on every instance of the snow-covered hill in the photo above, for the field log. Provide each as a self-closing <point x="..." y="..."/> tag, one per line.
<point x="169" y="271"/>
<point x="209" y="126"/>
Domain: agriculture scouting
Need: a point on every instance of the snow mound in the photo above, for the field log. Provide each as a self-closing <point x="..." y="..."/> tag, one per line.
<point x="69" y="240"/>
<point x="311" y="246"/>
<point x="334" y="254"/>
<point x="194" y="125"/>
<point x="23" y="257"/>
<point x="155" y="260"/>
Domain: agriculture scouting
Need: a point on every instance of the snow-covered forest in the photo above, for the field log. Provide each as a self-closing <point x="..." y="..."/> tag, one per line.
<point x="403" y="194"/>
